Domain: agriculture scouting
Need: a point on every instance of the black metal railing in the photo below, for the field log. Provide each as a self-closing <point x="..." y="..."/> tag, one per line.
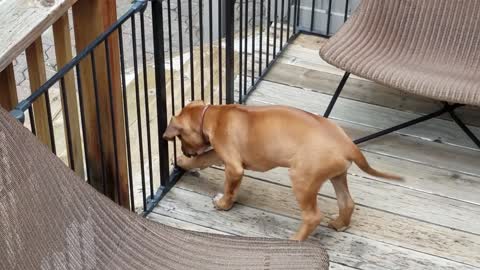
<point x="269" y="33"/>
<point x="323" y="17"/>
<point x="220" y="55"/>
<point x="101" y="173"/>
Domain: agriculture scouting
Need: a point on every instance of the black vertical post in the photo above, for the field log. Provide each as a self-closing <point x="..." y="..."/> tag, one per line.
<point x="345" y="15"/>
<point x="161" y="94"/>
<point x="229" y="49"/>
<point x="220" y="43"/>
<point x="192" y="59"/>
<point x="312" y="19"/>
<point x="329" y="18"/>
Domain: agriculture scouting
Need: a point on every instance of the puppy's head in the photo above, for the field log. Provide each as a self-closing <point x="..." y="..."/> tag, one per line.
<point x="186" y="127"/>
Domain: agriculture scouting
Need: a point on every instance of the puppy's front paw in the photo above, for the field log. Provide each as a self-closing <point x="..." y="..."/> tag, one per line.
<point x="221" y="203"/>
<point x="184" y="162"/>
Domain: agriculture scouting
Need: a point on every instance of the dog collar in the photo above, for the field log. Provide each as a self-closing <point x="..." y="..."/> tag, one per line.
<point x="201" y="124"/>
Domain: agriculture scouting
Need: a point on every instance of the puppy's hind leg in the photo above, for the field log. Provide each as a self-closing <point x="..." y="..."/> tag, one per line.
<point x="345" y="203"/>
<point x="305" y="189"/>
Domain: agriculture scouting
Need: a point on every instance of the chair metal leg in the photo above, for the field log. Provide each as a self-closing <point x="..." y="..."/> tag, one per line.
<point x="336" y="94"/>
<point x="446" y="108"/>
<point x="465" y="128"/>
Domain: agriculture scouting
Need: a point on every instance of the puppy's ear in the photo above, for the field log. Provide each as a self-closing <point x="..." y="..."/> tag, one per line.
<point x="172" y="130"/>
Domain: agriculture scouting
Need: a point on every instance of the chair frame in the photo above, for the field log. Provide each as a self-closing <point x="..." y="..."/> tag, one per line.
<point x="447" y="108"/>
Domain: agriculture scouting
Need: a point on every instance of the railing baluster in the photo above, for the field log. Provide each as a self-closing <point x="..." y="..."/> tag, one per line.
<point x="172" y="79"/>
<point x="147" y="105"/>
<point x="254" y="6"/>
<point x="240" y="58"/>
<point x="261" y="40"/>
<point x="97" y="113"/>
<point x="170" y="53"/>
<point x="312" y="18"/>
<point x="288" y="18"/>
<point x="297" y="12"/>
<point x="294" y="30"/>
<point x="229" y="50"/>
<point x="50" y="122"/>
<point x="282" y="14"/>
<point x="127" y="124"/>
<point x="210" y="32"/>
<point x="329" y="18"/>
<point x="82" y="120"/>
<point x="32" y="121"/>
<point x="202" y="67"/>
<point x="192" y="60"/>
<point x="68" y="130"/>
<point x="139" y="113"/>
<point x="275" y="30"/>
<point x="345" y="15"/>
<point x="220" y="35"/>
<point x="246" y="50"/>
<point x="112" y="117"/>
<point x="161" y="94"/>
<point x="269" y="8"/>
<point x="180" y="45"/>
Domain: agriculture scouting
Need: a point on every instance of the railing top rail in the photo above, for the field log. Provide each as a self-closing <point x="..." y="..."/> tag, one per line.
<point x="23" y="21"/>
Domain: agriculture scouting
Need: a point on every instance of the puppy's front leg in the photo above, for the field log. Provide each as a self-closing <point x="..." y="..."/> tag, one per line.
<point x="233" y="177"/>
<point x="201" y="162"/>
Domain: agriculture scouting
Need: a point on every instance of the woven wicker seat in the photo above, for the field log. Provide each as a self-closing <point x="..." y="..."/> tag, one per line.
<point x="423" y="47"/>
<point x="427" y="47"/>
<point x="51" y="219"/>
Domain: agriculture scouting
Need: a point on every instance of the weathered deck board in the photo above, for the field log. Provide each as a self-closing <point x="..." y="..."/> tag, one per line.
<point x="396" y="229"/>
<point x="363" y="91"/>
<point x="309" y="58"/>
<point x="177" y="223"/>
<point x="348" y="249"/>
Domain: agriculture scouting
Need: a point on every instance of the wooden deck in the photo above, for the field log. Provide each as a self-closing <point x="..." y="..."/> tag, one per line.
<point x="430" y="221"/>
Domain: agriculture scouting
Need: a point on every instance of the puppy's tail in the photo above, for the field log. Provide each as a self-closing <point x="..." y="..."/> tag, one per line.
<point x="362" y="163"/>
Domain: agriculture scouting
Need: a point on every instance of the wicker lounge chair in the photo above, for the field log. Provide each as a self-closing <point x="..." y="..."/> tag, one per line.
<point x="424" y="47"/>
<point x="51" y="219"/>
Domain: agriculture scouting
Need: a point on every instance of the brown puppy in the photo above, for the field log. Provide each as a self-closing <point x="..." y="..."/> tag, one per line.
<point x="262" y="138"/>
